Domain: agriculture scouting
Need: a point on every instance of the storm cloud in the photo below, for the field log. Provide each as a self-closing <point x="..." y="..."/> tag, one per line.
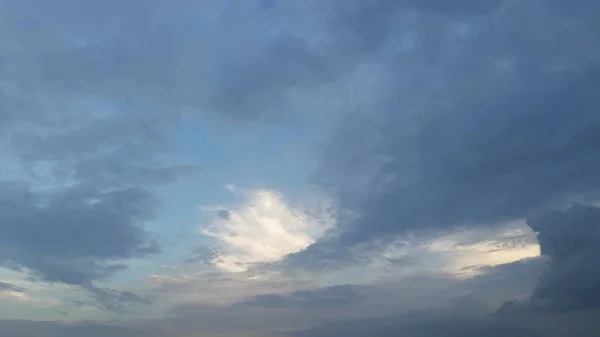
<point x="570" y="239"/>
<point x="476" y="124"/>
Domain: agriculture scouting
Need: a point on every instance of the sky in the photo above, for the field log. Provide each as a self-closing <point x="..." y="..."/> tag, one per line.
<point x="291" y="168"/>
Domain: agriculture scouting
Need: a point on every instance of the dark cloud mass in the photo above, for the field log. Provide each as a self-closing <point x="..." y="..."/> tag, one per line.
<point x="320" y="299"/>
<point x="82" y="142"/>
<point x="571" y="239"/>
<point x="75" y="235"/>
<point x="483" y="120"/>
<point x="496" y="123"/>
<point x="490" y="115"/>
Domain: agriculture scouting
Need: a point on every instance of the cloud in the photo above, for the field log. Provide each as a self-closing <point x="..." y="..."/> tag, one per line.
<point x="370" y="25"/>
<point x="242" y="246"/>
<point x="466" y="131"/>
<point x="447" y="117"/>
<point x="472" y="254"/>
<point x="13" y="295"/>
<point x="70" y="237"/>
<point x="192" y="58"/>
<point x="84" y="145"/>
<point x="113" y="300"/>
<point x="31" y="301"/>
<point x="425" y="291"/>
<point x="256" y="85"/>
<point x="329" y="298"/>
<point x="464" y="252"/>
<point x="570" y="239"/>
<point x="426" y="305"/>
<point x="207" y="285"/>
<point x="4" y="286"/>
<point x="89" y="100"/>
<point x="264" y="229"/>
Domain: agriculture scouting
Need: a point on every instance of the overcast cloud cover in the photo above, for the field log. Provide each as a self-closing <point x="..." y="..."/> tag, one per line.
<point x="299" y="168"/>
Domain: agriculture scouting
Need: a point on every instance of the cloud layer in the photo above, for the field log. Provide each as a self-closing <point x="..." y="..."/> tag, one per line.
<point x="441" y="117"/>
<point x="83" y="150"/>
<point x="570" y="239"/>
<point x="466" y="131"/>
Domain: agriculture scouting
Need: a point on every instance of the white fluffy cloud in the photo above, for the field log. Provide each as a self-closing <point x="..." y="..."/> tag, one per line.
<point x="264" y="229"/>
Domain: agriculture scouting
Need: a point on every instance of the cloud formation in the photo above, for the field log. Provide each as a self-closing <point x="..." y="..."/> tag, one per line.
<point x="264" y="229"/>
<point x="478" y="124"/>
<point x="83" y="150"/>
<point x="334" y="297"/>
<point x="447" y="116"/>
<point x="570" y="239"/>
<point x="4" y="286"/>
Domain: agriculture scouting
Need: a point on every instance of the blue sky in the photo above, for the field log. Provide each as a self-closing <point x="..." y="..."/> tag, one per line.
<point x="291" y="167"/>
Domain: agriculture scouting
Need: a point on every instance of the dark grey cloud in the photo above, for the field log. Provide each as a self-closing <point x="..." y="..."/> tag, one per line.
<point x="224" y="214"/>
<point x="258" y="85"/>
<point x="113" y="300"/>
<point x="73" y="236"/>
<point x="367" y="26"/>
<point x="84" y="136"/>
<point x="571" y="240"/>
<point x="513" y="281"/>
<point x="477" y="124"/>
<point x="128" y="47"/>
<point x="229" y="58"/>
